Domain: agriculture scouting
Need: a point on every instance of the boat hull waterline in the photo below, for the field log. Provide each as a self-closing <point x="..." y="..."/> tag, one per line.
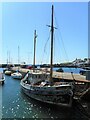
<point x="49" y="94"/>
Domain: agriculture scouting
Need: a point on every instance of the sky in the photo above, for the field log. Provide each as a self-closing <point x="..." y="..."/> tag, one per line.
<point x="20" y="19"/>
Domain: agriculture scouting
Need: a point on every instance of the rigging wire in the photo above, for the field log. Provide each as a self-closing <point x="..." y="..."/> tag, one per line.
<point x="62" y="40"/>
<point x="45" y="48"/>
<point x="55" y="55"/>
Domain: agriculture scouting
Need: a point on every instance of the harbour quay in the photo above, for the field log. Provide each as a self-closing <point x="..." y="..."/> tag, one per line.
<point x="58" y="75"/>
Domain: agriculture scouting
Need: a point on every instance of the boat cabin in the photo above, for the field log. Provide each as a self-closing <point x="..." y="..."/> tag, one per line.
<point x="35" y="77"/>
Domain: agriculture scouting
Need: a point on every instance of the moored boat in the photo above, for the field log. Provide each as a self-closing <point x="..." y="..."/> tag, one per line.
<point x="37" y="86"/>
<point x="60" y="70"/>
<point x="2" y="78"/>
<point x="16" y="75"/>
<point x="42" y="87"/>
<point x="8" y="72"/>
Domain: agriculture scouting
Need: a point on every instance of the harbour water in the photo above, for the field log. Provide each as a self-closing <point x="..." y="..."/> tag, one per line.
<point x="16" y="105"/>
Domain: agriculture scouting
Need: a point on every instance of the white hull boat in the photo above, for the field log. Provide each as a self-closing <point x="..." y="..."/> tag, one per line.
<point x="16" y="75"/>
<point x="7" y="72"/>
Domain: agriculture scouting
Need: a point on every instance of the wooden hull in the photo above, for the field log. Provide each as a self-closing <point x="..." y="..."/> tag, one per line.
<point x="51" y="96"/>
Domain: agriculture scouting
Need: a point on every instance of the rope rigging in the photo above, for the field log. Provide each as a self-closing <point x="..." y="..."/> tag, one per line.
<point x="62" y="43"/>
<point x="43" y="53"/>
<point x="59" y="31"/>
<point x="59" y="39"/>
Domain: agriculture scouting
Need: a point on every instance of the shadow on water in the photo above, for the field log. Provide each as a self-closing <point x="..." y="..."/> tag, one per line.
<point x="76" y="112"/>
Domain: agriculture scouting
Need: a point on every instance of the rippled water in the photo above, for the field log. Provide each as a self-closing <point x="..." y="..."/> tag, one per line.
<point x="15" y="104"/>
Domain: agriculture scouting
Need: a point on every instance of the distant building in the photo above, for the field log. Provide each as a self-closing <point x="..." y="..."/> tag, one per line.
<point x="80" y="62"/>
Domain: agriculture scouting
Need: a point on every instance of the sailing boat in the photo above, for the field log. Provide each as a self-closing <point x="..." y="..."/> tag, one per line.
<point x="42" y="87"/>
<point x="7" y="70"/>
<point x="17" y="74"/>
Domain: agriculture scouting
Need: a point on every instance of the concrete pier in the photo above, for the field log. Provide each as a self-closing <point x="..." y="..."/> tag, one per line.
<point x="58" y="75"/>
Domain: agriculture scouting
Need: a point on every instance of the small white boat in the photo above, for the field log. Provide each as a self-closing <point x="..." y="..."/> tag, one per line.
<point x="7" y="72"/>
<point x="16" y="75"/>
<point x="2" y="78"/>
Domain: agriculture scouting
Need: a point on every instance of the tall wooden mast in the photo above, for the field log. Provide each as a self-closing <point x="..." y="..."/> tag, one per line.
<point x="51" y="60"/>
<point x="35" y="36"/>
